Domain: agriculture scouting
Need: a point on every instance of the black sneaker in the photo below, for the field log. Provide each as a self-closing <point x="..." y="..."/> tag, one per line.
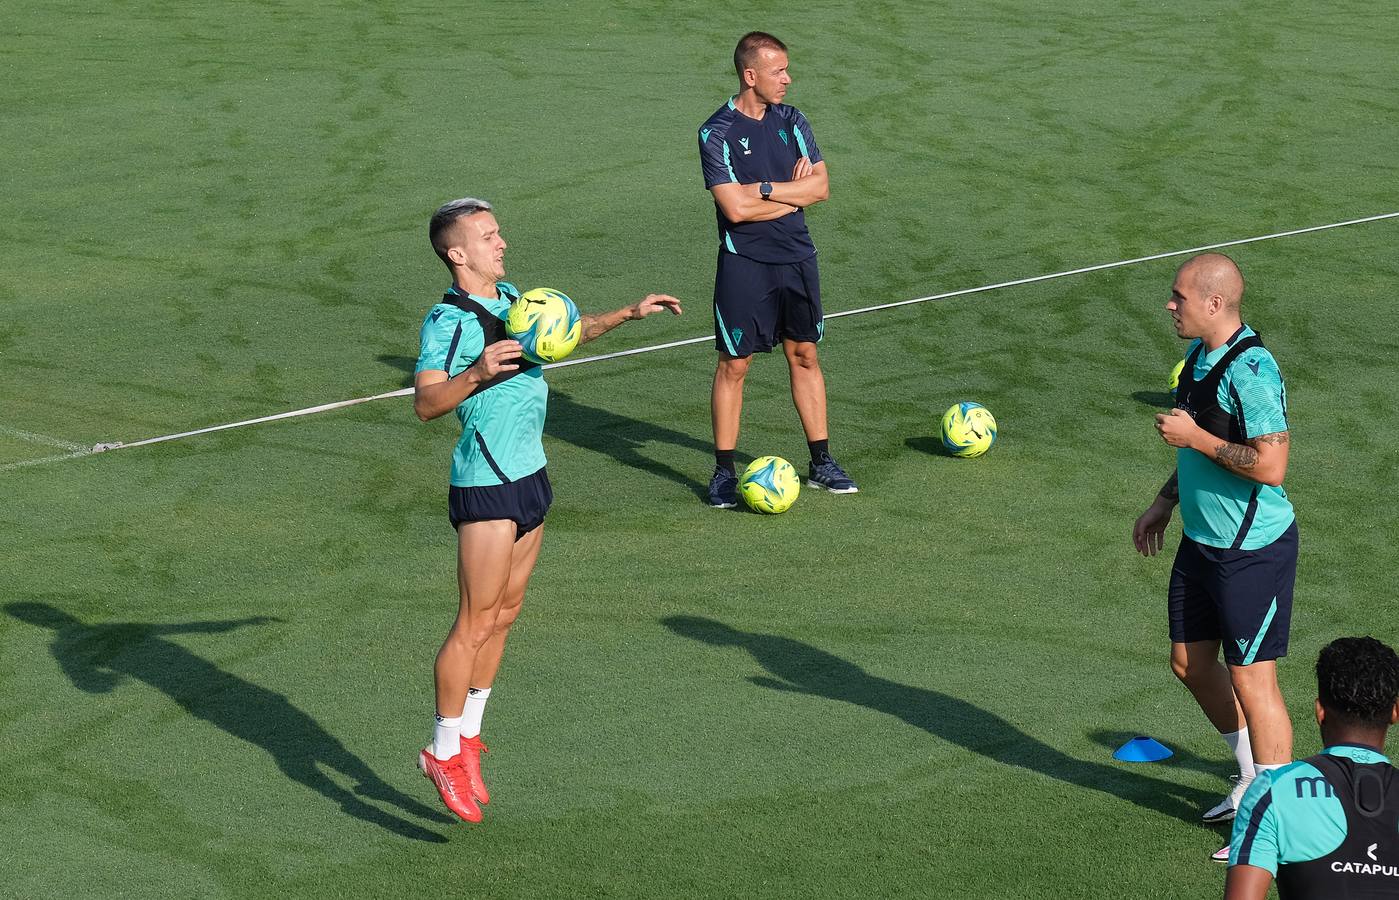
<point x="723" y="489"/>
<point x="832" y="477"/>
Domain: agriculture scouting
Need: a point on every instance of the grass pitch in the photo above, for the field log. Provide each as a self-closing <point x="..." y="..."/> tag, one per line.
<point x="214" y="662"/>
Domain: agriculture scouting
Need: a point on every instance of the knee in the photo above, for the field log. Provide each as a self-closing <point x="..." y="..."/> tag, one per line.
<point x="734" y="369"/>
<point x="1252" y="680"/>
<point x="506" y="618"/>
<point x="803" y="356"/>
<point x="1181" y="668"/>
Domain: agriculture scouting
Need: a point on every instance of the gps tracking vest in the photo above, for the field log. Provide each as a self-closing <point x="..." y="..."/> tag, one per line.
<point x="494" y="330"/>
<point x="1366" y="865"/>
<point x="1201" y="398"/>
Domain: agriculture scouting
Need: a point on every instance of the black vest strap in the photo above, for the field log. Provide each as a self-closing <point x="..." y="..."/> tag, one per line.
<point x="1201" y="398"/>
<point x="494" y="330"/>
<point x="1366" y="864"/>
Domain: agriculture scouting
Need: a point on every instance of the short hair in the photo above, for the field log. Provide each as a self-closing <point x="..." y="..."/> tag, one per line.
<point x="746" y="53"/>
<point x="446" y="216"/>
<point x="1357" y="680"/>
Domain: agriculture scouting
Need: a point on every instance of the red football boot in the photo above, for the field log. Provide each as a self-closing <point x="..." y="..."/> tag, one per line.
<point x="452" y="783"/>
<point x="471" y="750"/>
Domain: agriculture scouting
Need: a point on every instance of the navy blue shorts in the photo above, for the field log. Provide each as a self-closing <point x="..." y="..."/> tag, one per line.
<point x="757" y="304"/>
<point x="1242" y="598"/>
<point x="525" y="502"/>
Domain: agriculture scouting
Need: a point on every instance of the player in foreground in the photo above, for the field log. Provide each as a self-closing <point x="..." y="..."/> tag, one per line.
<point x="762" y="165"/>
<point x="1233" y="574"/>
<point x="499" y="490"/>
<point x="1328" y="826"/>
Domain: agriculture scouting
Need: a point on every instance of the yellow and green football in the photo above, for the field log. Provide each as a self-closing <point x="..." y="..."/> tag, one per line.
<point x="546" y="323"/>
<point x="1175" y="376"/>
<point x="968" y="429"/>
<point x="769" y="485"/>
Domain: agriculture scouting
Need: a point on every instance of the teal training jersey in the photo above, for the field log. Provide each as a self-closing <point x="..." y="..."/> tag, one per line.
<point x="1216" y="504"/>
<point x="1291" y="815"/>
<point x="502" y="427"/>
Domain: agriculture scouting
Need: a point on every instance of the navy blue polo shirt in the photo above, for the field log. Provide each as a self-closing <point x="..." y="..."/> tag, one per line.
<point x="736" y="148"/>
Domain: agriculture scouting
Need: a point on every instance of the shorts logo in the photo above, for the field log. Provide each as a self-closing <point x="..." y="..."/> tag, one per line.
<point x="1243" y="645"/>
<point x="782" y="133"/>
<point x="704" y="135"/>
<point x="737" y="335"/>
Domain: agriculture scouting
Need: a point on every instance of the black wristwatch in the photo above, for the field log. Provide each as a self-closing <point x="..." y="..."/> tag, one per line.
<point x="766" y="190"/>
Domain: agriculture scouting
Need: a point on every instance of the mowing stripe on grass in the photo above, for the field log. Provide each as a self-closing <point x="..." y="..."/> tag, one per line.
<point x="403" y="392"/>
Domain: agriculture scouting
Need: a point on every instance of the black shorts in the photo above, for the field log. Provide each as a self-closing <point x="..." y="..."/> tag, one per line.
<point x="758" y="304"/>
<point x="525" y="502"/>
<point x="1242" y="598"/>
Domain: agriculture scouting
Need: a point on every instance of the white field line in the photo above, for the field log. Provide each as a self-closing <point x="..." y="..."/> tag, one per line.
<point x="326" y="407"/>
<point x="44" y="439"/>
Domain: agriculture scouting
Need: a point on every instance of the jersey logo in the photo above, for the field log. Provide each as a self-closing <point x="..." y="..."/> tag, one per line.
<point x="1370" y="852"/>
<point x="744" y="142"/>
<point x="704" y="135"/>
<point x="1314" y="784"/>
<point x="436" y="314"/>
<point x="1253" y="366"/>
<point x="782" y="133"/>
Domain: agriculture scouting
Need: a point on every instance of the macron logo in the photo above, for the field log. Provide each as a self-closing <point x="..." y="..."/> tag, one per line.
<point x="1253" y="366"/>
<point x="704" y="135"/>
<point x="436" y="314"/>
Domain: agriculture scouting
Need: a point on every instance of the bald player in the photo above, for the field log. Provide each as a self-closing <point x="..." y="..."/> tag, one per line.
<point x="1231" y="583"/>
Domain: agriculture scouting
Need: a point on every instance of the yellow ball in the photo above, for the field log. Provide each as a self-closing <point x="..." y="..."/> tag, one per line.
<point x="1175" y="376"/>
<point x="968" y="429"/>
<point x="769" y="485"/>
<point x="546" y="323"/>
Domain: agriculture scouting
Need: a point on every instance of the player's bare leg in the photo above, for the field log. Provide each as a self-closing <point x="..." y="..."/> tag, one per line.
<point x="486" y="663"/>
<point x="808" y="387"/>
<point x="809" y="397"/>
<point x="1269" y="727"/>
<point x="1198" y="667"/>
<point x="726" y="400"/>
<point x="726" y="406"/>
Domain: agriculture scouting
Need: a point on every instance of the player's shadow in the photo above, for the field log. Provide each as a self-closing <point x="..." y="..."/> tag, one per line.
<point x="97" y="658"/>
<point x="405" y="364"/>
<point x="622" y="438"/>
<point x="1158" y="399"/>
<point x="802" y="669"/>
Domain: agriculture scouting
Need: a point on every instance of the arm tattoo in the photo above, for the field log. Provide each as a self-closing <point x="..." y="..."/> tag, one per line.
<point x="1171" y="489"/>
<point x="1236" y="457"/>
<point x="1277" y="437"/>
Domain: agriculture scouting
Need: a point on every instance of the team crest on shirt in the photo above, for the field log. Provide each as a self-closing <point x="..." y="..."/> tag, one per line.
<point x="782" y="133"/>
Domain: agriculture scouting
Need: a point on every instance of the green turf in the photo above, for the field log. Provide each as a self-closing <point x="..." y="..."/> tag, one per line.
<point x="214" y="670"/>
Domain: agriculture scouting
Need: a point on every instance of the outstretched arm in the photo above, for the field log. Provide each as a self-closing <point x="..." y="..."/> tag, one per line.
<point x="597" y="326"/>
<point x="212" y="627"/>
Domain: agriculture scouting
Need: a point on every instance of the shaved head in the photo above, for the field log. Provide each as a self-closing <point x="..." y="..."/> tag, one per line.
<point x="1214" y="274"/>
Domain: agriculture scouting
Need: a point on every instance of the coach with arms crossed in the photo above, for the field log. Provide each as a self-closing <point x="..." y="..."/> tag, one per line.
<point x="763" y="167"/>
<point x="1234" y="572"/>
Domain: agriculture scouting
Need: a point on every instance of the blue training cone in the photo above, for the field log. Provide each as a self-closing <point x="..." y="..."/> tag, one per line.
<point x="1142" y="749"/>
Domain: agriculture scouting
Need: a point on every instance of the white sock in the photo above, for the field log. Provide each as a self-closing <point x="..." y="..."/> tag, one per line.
<point x="475" y="709"/>
<point x="446" y="737"/>
<point x="1243" y="752"/>
<point x="1269" y="766"/>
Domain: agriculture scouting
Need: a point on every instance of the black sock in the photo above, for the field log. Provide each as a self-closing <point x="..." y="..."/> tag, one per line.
<point x="724" y="459"/>
<point x="820" y="451"/>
